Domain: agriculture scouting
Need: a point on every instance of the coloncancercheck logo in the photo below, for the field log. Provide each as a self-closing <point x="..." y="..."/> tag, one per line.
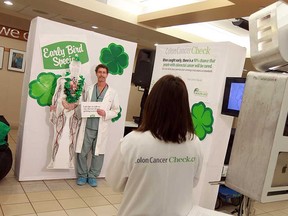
<point x="171" y="159"/>
<point x="200" y="93"/>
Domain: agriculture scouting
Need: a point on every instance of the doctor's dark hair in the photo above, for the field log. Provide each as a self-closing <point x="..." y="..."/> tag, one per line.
<point x="101" y="66"/>
<point x="166" y="112"/>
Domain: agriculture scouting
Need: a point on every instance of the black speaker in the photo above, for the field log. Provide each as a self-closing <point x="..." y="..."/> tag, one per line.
<point x="144" y="68"/>
<point x="242" y="23"/>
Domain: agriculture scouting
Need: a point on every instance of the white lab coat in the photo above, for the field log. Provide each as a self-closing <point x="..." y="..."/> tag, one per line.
<point x="111" y="106"/>
<point x="157" y="177"/>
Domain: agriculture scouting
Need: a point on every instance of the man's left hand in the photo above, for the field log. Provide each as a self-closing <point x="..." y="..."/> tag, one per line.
<point x="101" y="112"/>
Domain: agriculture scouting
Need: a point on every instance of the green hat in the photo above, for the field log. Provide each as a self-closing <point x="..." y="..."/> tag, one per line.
<point x="4" y="130"/>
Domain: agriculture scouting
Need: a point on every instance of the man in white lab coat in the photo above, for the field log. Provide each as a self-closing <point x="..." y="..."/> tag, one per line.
<point x="93" y="133"/>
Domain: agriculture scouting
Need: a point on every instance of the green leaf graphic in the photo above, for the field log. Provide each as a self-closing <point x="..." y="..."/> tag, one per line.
<point x="203" y="119"/>
<point x="118" y="116"/>
<point x="115" y="58"/>
<point x="42" y="89"/>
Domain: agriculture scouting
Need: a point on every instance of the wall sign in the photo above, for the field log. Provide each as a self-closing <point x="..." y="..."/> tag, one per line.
<point x="14" y="33"/>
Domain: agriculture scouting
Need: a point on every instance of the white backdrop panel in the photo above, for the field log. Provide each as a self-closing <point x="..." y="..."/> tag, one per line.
<point x="204" y="67"/>
<point x="35" y="131"/>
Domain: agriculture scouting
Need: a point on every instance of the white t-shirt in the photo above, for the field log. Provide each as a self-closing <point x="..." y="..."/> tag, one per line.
<point x="157" y="177"/>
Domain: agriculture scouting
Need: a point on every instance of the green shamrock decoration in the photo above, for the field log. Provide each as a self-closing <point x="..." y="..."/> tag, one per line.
<point x="202" y="117"/>
<point x="4" y="130"/>
<point x="118" y="116"/>
<point x="115" y="58"/>
<point x="42" y="89"/>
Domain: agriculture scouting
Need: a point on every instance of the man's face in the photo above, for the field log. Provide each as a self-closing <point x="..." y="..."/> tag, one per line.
<point x="101" y="74"/>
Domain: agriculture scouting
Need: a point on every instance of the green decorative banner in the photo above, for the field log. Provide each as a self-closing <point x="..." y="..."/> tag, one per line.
<point x="59" y="55"/>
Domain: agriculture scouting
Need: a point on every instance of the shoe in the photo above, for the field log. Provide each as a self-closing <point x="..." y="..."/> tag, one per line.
<point x="92" y="182"/>
<point x="81" y="181"/>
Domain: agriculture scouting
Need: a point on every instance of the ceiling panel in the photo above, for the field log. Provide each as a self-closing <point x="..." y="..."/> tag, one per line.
<point x="203" y="12"/>
<point x="67" y="20"/>
<point x="34" y="12"/>
<point x="120" y="24"/>
<point x="16" y="7"/>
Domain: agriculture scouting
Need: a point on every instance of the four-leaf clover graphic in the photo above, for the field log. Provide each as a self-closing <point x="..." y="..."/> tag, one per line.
<point x="202" y="118"/>
<point x="115" y="58"/>
<point x="42" y="89"/>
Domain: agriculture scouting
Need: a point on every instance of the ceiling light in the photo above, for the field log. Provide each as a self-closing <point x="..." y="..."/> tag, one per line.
<point x="216" y="34"/>
<point x="156" y="44"/>
<point x="147" y="6"/>
<point x="8" y="2"/>
<point x="94" y="27"/>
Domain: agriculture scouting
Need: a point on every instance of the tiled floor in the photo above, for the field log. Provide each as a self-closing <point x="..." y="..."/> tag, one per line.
<point x="54" y="197"/>
<point x="64" y="197"/>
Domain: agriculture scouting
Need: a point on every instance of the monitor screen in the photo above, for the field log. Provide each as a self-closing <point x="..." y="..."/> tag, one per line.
<point x="233" y="94"/>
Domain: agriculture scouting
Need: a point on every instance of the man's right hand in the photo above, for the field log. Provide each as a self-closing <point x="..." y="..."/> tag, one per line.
<point x="52" y="108"/>
<point x="68" y="106"/>
<point x="65" y="104"/>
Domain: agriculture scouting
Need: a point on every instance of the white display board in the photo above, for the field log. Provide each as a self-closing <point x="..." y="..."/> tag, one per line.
<point x="35" y="131"/>
<point x="204" y="68"/>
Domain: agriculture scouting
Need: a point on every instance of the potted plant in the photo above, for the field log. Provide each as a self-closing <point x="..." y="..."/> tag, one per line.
<point x="5" y="152"/>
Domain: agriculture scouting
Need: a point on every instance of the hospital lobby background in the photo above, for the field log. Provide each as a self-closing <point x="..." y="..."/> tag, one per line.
<point x="64" y="197"/>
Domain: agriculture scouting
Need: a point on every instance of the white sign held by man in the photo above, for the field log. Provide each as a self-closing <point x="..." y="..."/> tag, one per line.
<point x="89" y="109"/>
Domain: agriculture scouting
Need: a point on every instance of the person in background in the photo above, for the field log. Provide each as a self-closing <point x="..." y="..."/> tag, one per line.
<point x="93" y="133"/>
<point x="158" y="165"/>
